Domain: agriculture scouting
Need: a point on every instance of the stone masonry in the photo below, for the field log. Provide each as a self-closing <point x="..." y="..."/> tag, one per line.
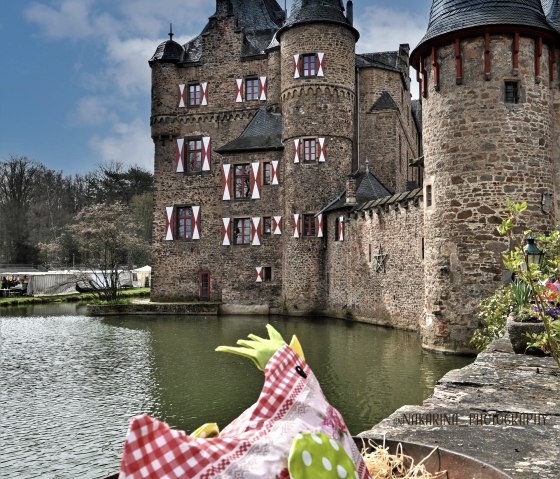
<point x="295" y="176"/>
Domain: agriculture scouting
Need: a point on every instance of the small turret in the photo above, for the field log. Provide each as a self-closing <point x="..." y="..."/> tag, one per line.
<point x="318" y="11"/>
<point x="168" y="52"/>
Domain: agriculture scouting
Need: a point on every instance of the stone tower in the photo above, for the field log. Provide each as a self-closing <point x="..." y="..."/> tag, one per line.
<point x="489" y="86"/>
<point x="317" y="45"/>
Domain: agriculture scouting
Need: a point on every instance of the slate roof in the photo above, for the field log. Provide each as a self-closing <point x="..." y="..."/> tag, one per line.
<point x="168" y="51"/>
<point x="313" y="11"/>
<point x="389" y="200"/>
<point x="264" y="132"/>
<point x="259" y="20"/>
<point x="553" y="14"/>
<point x="384" y="60"/>
<point x="370" y="188"/>
<point x="448" y="16"/>
<point x="384" y="102"/>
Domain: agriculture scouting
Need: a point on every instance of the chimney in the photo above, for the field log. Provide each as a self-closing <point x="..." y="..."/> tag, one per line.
<point x="350" y="12"/>
<point x="224" y="8"/>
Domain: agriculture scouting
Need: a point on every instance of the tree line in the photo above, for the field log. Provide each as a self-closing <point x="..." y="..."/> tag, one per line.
<point x="46" y="217"/>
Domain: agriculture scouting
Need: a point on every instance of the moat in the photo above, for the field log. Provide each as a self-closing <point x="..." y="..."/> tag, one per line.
<point x="70" y="383"/>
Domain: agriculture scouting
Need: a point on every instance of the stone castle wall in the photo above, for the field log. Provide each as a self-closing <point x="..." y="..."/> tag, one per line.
<point x="315" y="107"/>
<point x="395" y="141"/>
<point x="479" y="150"/>
<point x="376" y="273"/>
<point x="177" y="263"/>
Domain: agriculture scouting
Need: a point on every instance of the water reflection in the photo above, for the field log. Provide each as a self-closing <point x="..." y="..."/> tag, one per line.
<point x="70" y="384"/>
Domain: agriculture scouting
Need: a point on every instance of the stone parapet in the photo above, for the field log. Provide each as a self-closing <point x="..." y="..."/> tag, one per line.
<point x="503" y="409"/>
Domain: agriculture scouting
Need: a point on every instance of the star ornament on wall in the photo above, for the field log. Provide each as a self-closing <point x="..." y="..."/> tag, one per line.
<point x="380" y="258"/>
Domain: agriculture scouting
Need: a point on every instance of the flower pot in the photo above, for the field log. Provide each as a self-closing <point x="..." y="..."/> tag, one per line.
<point x="518" y="332"/>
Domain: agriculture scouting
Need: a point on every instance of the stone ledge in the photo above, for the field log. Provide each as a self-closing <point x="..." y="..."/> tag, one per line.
<point x="503" y="409"/>
<point x="145" y="307"/>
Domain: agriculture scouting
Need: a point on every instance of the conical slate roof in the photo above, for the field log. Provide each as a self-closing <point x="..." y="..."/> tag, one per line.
<point x="553" y="14"/>
<point x="317" y="11"/>
<point x="168" y="51"/>
<point x="448" y="16"/>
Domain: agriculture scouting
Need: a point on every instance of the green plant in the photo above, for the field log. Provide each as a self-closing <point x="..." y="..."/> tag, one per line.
<point x="493" y="313"/>
<point x="521" y="292"/>
<point x="534" y="274"/>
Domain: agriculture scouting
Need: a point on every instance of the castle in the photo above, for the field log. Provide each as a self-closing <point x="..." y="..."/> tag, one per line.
<point x="294" y="176"/>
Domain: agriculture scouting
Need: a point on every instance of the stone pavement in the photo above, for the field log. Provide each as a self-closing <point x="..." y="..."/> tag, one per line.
<point x="503" y="409"/>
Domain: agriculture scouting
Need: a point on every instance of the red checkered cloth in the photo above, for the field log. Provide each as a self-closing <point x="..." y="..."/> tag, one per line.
<point x="253" y="446"/>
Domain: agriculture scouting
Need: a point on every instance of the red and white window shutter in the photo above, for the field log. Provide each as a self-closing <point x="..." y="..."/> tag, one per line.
<point x="274" y="172"/>
<point x="169" y="223"/>
<point x="320" y="64"/>
<point x="196" y="226"/>
<point x="276" y="225"/>
<point x="255" y="178"/>
<point x="226" y="231"/>
<point x="322" y="149"/>
<point x="180" y="156"/>
<point x="297" y="66"/>
<point x="256" y="231"/>
<point x="239" y="90"/>
<point x="320" y="221"/>
<point x="226" y="181"/>
<point x="204" y="93"/>
<point x="182" y="95"/>
<point x="296" y="226"/>
<point x="206" y="153"/>
<point x="263" y="88"/>
<point x="341" y="228"/>
<point x="296" y="150"/>
<point x="259" y="273"/>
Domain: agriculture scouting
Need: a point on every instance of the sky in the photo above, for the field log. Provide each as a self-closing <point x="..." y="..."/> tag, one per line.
<point x="75" y="81"/>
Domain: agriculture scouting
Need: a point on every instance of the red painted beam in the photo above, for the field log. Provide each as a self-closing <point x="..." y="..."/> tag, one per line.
<point x="458" y="61"/>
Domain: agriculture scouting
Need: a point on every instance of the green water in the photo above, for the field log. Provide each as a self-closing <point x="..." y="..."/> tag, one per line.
<point x="70" y="383"/>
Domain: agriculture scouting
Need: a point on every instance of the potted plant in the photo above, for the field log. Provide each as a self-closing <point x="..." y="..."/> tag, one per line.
<point x="536" y="272"/>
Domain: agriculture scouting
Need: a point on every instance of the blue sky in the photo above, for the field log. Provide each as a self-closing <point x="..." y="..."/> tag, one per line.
<point x="75" y="82"/>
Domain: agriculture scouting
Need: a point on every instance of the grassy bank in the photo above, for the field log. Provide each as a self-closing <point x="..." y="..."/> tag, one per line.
<point x="70" y="298"/>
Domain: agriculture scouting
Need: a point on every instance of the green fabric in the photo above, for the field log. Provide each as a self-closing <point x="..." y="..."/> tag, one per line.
<point x="259" y="350"/>
<point x="317" y="456"/>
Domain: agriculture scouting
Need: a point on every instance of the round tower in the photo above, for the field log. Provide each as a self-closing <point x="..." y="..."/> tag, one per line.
<point x="317" y="45"/>
<point x="488" y="81"/>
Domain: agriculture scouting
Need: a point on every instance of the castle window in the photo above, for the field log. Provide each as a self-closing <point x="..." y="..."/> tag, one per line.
<point x="308" y="224"/>
<point x="242" y="180"/>
<point x="267" y="173"/>
<point x="242" y="231"/>
<point x="195" y="94"/>
<point x="185" y="222"/>
<point x="267" y="273"/>
<point x="309" y="65"/>
<point x="511" y="92"/>
<point x="194" y="156"/>
<point x="429" y="200"/>
<point x="252" y="89"/>
<point x="267" y="226"/>
<point x="309" y="150"/>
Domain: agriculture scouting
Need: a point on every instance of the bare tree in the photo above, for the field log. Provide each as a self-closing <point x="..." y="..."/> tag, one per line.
<point x="105" y="237"/>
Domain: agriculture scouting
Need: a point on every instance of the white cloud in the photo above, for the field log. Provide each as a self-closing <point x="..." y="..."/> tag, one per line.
<point x="382" y="29"/>
<point x="94" y="110"/>
<point x="71" y="19"/>
<point x="128" y="143"/>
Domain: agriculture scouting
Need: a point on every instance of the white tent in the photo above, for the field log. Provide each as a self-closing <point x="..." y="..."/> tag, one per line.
<point x="141" y="277"/>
